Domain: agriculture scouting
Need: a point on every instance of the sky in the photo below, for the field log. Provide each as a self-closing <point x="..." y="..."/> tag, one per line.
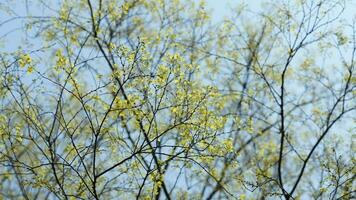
<point x="221" y="8"/>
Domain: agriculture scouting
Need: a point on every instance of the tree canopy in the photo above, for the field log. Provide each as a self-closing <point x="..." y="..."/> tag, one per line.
<point x="153" y="99"/>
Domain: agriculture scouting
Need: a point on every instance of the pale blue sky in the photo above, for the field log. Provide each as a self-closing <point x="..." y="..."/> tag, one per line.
<point x="222" y="8"/>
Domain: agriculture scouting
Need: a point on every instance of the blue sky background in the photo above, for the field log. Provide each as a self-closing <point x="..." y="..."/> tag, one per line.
<point x="219" y="8"/>
<point x="222" y="8"/>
